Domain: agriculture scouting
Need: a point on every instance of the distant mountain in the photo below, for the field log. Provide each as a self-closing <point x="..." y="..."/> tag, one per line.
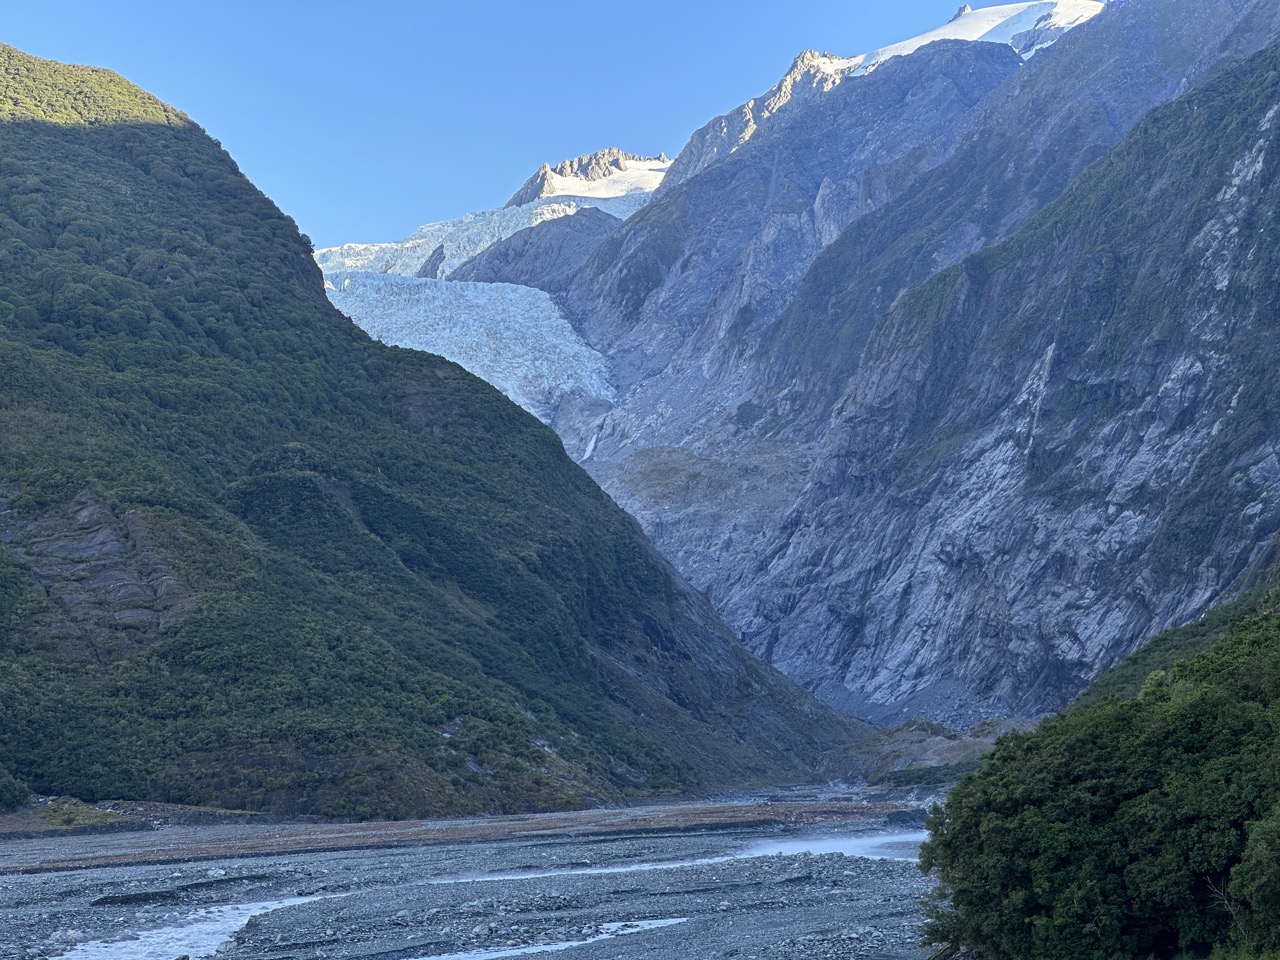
<point x="812" y="379"/>
<point x="605" y="174"/>
<point x="545" y="256"/>
<point x="1013" y="589"/>
<point x="731" y="437"/>
<point x="520" y="340"/>
<point x="250" y="557"/>
<point x="610" y="181"/>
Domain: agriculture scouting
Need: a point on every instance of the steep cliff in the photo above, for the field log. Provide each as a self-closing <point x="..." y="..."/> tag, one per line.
<point x="718" y="424"/>
<point x="678" y="297"/>
<point x="1058" y="447"/>
<point x="1066" y="108"/>
<point x="1023" y="27"/>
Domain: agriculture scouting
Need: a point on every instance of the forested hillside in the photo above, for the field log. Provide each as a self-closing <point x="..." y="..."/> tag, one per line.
<point x="250" y="557"/>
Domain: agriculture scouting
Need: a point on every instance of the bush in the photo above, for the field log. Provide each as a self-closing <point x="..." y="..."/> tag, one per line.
<point x="13" y="793"/>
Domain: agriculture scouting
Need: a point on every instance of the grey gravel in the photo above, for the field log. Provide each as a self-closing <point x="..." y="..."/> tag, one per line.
<point x="434" y="900"/>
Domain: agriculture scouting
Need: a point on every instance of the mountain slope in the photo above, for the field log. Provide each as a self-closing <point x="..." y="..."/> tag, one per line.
<point x="605" y="174"/>
<point x="1027" y="479"/>
<point x="1024" y="27"/>
<point x="676" y="297"/>
<point x="545" y="255"/>
<point x="250" y="557"/>
<point x="1038" y="133"/>
<point x="722" y="415"/>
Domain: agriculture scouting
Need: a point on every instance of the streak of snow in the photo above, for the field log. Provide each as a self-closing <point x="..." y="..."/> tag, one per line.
<point x="514" y="337"/>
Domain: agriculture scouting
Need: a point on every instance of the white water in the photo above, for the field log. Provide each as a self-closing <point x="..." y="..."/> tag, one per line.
<point x="879" y="846"/>
<point x="198" y="936"/>
<point x="882" y="846"/>
<point x="607" y="932"/>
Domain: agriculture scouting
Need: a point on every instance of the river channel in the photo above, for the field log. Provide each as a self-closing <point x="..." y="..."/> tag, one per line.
<point x="677" y="889"/>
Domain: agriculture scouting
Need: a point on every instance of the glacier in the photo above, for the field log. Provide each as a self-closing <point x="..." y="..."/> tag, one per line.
<point x="514" y="337"/>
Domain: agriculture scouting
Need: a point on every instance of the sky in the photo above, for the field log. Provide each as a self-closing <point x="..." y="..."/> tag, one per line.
<point x="365" y="119"/>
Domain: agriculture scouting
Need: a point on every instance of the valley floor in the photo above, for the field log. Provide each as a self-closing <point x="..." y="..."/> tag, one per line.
<point x="799" y="879"/>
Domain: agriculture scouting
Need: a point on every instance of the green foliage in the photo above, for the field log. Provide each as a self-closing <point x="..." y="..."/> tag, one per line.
<point x="921" y="776"/>
<point x="395" y="595"/>
<point x="13" y="793"/>
<point x="68" y="813"/>
<point x="1131" y="829"/>
<point x="1125" y="680"/>
<point x="1145" y="822"/>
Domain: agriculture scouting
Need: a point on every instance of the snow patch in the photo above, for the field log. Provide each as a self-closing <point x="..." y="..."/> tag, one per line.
<point x="1027" y="27"/>
<point x="639" y="177"/>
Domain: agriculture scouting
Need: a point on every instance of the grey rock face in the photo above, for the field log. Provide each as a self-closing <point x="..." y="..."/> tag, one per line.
<point x="727" y="251"/>
<point x="720" y="137"/>
<point x="113" y="593"/>
<point x="750" y="437"/>
<point x="545" y="255"/>
<point x="535" y="188"/>
<point x="1057" y="449"/>
<point x="598" y="165"/>
<point x="1038" y="132"/>
<point x="678" y="294"/>
<point x="430" y="270"/>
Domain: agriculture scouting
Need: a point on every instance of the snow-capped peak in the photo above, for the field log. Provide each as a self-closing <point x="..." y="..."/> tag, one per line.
<point x="606" y="174"/>
<point x="1027" y="27"/>
<point x="617" y="183"/>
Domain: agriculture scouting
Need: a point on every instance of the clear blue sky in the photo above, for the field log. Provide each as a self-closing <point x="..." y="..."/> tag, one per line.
<point x="367" y="118"/>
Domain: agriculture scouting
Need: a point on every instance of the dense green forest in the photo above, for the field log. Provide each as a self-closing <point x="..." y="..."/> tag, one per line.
<point x="1137" y="828"/>
<point x="250" y="557"/>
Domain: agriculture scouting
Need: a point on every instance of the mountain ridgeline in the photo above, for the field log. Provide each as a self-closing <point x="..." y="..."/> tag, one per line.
<point x="955" y="499"/>
<point x="935" y="441"/>
<point x="1066" y="442"/>
<point x="250" y="557"/>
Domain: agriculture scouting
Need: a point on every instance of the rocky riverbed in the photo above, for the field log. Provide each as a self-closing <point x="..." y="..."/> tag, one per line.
<point x="794" y="881"/>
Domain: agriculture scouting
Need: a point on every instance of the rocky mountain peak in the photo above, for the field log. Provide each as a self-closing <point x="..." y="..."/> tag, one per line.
<point x="1026" y="27"/>
<point x="590" y="168"/>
